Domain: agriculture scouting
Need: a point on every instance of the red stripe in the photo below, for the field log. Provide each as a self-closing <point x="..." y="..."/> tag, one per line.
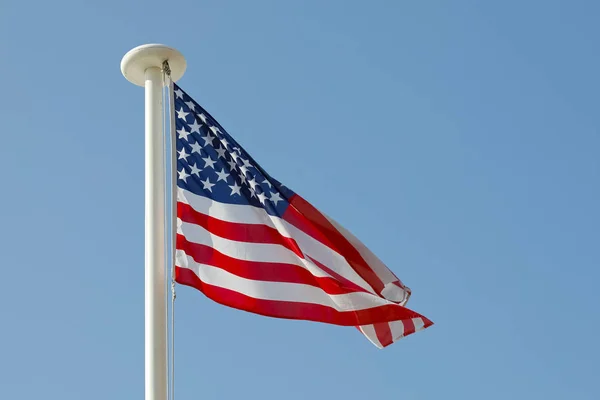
<point x="307" y="218"/>
<point x="409" y="327"/>
<point x="427" y="322"/>
<point x="343" y="281"/>
<point x="293" y="310"/>
<point x="261" y="271"/>
<point x="241" y="232"/>
<point x="384" y="333"/>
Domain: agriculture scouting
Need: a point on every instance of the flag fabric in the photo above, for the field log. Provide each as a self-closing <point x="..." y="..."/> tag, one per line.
<point x="249" y="242"/>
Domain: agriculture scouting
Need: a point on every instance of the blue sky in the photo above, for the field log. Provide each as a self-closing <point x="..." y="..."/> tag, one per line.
<point x="459" y="140"/>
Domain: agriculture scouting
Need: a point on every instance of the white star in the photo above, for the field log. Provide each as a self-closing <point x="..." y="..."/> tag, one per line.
<point x="208" y="140"/>
<point x="209" y="162"/>
<point x="183" y="134"/>
<point x="196" y="147"/>
<point x="244" y="170"/>
<point x="234" y="156"/>
<point x="247" y="163"/>
<point x="182" y="175"/>
<point x="266" y="182"/>
<point x="252" y="182"/>
<point x="262" y="197"/>
<point x="202" y="117"/>
<point x="275" y="198"/>
<point x="207" y="184"/>
<point x="191" y="105"/>
<point x="222" y="175"/>
<point x="225" y="142"/>
<point x="242" y="179"/>
<point x="179" y="93"/>
<point x="195" y="170"/>
<point x="232" y="165"/>
<point x="210" y="135"/>
<point x="237" y="149"/>
<point x="183" y="154"/>
<point x="252" y="192"/>
<point x="235" y="189"/>
<point x="182" y="114"/>
<point x="195" y="127"/>
<point x="215" y="130"/>
<point x="221" y="152"/>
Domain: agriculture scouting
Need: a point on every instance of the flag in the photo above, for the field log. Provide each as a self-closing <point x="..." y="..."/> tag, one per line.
<point x="249" y="242"/>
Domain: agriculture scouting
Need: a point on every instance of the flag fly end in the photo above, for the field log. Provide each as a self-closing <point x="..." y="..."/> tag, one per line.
<point x="137" y="60"/>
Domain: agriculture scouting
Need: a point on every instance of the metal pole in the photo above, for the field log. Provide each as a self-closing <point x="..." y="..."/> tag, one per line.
<point x="142" y="66"/>
<point x="155" y="306"/>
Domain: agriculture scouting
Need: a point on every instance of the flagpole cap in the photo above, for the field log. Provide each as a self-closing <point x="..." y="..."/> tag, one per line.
<point x="137" y="60"/>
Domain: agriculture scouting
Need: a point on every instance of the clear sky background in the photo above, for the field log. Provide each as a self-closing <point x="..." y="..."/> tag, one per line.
<point x="459" y="140"/>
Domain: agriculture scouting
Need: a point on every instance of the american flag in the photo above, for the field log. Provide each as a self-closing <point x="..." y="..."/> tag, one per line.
<point x="247" y="241"/>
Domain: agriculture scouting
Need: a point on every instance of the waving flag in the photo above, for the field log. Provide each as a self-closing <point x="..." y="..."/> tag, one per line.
<point x="247" y="241"/>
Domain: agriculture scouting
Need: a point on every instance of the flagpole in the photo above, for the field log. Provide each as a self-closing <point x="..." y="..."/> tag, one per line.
<point x="142" y="66"/>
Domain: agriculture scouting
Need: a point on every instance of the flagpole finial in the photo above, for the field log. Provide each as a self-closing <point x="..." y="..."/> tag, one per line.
<point x="137" y="60"/>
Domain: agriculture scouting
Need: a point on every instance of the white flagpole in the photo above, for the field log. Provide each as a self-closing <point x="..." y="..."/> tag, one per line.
<point x="142" y="66"/>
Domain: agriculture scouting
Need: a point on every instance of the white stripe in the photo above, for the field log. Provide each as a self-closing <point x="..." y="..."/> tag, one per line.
<point x="369" y="332"/>
<point x="278" y="291"/>
<point x="374" y="262"/>
<point x="253" y="215"/>
<point x="419" y="324"/>
<point x="258" y="252"/>
<point x="244" y="214"/>
<point x="397" y="329"/>
<point x="391" y="291"/>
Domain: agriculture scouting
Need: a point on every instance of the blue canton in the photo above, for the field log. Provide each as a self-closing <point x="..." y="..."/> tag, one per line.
<point x="212" y="164"/>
